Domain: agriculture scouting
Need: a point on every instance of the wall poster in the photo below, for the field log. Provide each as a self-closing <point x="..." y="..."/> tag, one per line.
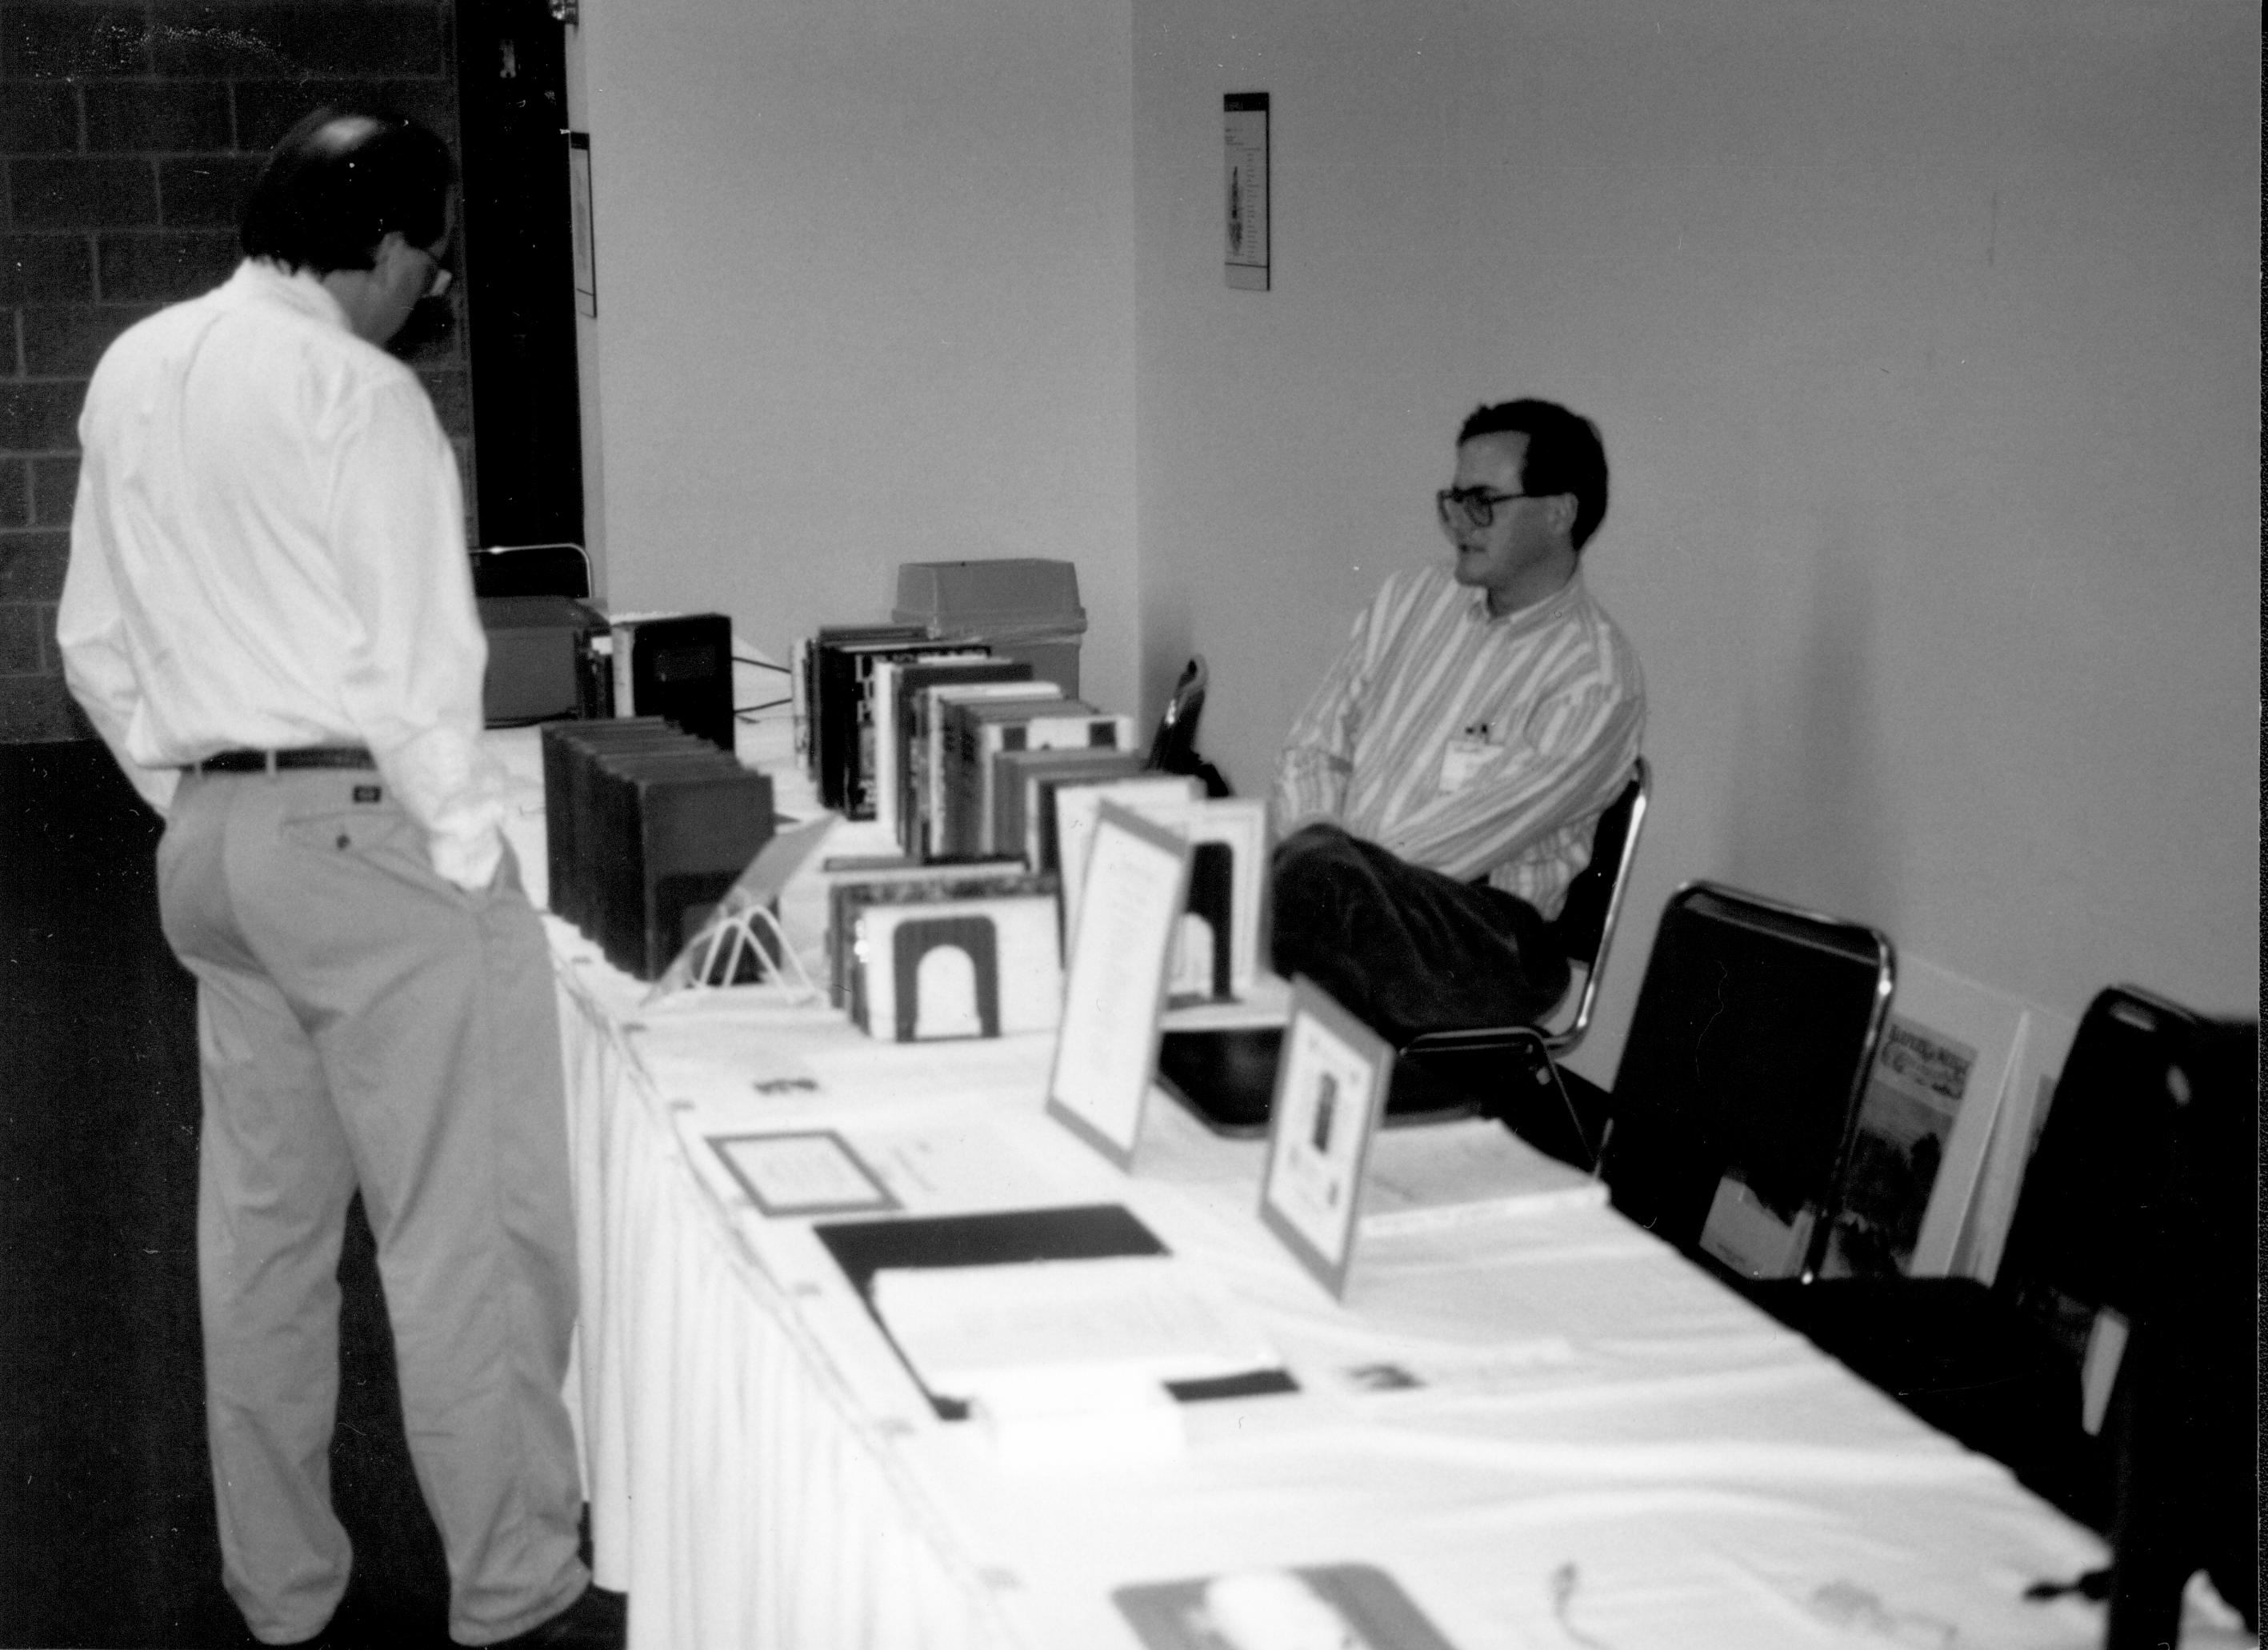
<point x="1245" y="121"/>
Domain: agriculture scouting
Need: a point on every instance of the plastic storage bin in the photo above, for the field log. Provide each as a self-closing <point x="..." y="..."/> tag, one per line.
<point x="1022" y="607"/>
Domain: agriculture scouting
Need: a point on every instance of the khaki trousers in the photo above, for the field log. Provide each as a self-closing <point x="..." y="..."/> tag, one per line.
<point x="363" y="1022"/>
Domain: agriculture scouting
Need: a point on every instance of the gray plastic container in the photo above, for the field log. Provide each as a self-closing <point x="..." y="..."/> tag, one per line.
<point x="1022" y="607"/>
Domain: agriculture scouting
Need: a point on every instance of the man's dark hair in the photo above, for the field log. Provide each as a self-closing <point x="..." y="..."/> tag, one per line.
<point x="1564" y="455"/>
<point x="340" y="180"/>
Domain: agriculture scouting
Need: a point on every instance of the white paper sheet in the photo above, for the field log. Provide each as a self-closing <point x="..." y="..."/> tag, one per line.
<point x="1150" y="1316"/>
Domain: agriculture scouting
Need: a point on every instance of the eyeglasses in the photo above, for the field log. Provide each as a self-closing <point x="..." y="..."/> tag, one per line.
<point x="1471" y="506"/>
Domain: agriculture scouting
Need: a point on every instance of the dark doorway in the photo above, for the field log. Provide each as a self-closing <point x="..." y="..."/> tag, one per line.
<point x="518" y="271"/>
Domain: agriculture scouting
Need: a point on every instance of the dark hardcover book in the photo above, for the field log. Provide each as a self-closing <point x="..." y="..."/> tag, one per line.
<point x="610" y="839"/>
<point x="841" y="713"/>
<point x="566" y="747"/>
<point x="858" y="752"/>
<point x="679" y="667"/>
<point x="577" y="897"/>
<point x="676" y="831"/>
<point x="824" y="641"/>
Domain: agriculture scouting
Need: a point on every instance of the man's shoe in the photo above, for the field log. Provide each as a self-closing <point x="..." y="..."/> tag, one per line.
<point x="598" y="1620"/>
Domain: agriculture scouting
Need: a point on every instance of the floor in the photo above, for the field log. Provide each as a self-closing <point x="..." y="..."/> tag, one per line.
<point x="106" y="1524"/>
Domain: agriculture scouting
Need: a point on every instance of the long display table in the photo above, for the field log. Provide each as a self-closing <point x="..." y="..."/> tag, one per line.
<point x="1548" y="1427"/>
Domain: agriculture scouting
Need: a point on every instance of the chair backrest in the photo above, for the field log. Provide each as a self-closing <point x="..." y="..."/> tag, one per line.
<point x="2141" y="1199"/>
<point x="1174" y="747"/>
<point x="1747" y="1053"/>
<point x="2146" y="1086"/>
<point x="531" y="569"/>
<point x="1585" y="924"/>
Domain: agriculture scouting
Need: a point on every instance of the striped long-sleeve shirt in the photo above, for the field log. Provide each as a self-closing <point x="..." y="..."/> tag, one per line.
<point x="1471" y="744"/>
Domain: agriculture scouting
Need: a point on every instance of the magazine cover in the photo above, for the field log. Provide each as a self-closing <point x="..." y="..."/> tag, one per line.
<point x="1924" y="1123"/>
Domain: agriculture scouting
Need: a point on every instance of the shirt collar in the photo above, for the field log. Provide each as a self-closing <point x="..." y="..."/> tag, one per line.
<point x="1536" y="615"/>
<point x="299" y="290"/>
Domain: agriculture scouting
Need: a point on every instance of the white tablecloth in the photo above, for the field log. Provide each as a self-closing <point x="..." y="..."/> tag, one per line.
<point x="1606" y="1447"/>
<point x="1602" y="1448"/>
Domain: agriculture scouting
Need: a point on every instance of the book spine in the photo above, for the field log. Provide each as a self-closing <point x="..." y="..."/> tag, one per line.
<point x="625" y="682"/>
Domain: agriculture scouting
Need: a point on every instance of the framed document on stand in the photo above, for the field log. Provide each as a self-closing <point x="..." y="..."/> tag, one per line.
<point x="1331" y="1091"/>
<point x="1137" y="879"/>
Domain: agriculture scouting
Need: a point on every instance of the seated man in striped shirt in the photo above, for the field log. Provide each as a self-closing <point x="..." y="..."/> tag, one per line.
<point x="1438" y="793"/>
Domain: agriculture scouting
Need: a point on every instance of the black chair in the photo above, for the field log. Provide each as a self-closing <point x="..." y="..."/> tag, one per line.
<point x="1470" y="1066"/>
<point x="2139" y="1201"/>
<point x="1747" y="1053"/>
<point x="1174" y="748"/>
<point x="2184" y="1440"/>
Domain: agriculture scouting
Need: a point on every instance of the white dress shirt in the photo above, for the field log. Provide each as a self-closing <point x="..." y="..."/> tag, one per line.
<point x="268" y="552"/>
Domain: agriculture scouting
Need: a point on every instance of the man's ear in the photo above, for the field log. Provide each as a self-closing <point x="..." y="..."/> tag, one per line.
<point x="1560" y="510"/>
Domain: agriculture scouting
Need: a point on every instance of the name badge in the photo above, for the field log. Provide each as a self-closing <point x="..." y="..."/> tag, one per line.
<point x="1462" y="759"/>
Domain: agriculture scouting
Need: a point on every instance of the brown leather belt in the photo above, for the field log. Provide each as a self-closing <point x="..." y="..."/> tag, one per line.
<point x="273" y="761"/>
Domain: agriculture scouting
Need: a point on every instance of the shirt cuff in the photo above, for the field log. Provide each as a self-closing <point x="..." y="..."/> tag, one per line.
<point x="154" y="785"/>
<point x="452" y="788"/>
<point x="469" y="859"/>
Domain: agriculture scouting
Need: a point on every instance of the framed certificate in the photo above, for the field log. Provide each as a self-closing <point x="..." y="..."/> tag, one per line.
<point x="802" y="1172"/>
<point x="1331" y="1091"/>
<point x="1115" y="987"/>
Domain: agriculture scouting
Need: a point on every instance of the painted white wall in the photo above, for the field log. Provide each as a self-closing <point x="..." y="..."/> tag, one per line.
<point x="1924" y="340"/>
<point x="866" y="296"/>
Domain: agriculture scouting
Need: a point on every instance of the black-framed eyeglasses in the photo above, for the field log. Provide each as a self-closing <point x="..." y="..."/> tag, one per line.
<point x="1472" y="506"/>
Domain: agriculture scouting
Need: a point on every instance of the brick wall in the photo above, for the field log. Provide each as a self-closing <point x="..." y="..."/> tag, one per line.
<point x="128" y="136"/>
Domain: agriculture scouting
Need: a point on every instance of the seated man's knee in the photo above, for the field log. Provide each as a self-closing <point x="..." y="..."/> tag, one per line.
<point x="1314" y="849"/>
<point x="1320" y="886"/>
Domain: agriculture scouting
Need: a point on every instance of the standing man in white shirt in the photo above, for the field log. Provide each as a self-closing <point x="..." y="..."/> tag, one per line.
<point x="269" y="617"/>
<point x="1438" y="793"/>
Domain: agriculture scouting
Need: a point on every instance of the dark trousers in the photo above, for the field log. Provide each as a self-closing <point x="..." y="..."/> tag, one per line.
<point x="1405" y="949"/>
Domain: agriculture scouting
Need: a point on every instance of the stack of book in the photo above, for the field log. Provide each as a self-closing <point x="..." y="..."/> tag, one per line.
<point x="648" y="827"/>
<point x="973" y="764"/>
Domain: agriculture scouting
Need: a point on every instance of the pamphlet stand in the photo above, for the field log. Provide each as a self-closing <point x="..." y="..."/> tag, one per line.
<point x="711" y="959"/>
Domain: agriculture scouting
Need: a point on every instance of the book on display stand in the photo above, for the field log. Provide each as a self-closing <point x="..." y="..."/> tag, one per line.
<point x="927" y="752"/>
<point x="988" y="965"/>
<point x="896" y="686"/>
